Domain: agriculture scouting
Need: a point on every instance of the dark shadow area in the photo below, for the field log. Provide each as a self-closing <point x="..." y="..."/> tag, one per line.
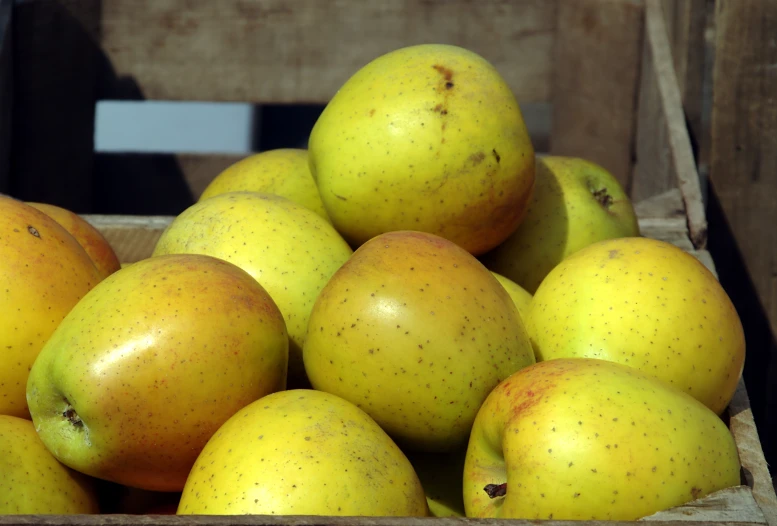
<point x="284" y="125"/>
<point x="135" y="183"/>
<point x="59" y="73"/>
<point x="760" y="371"/>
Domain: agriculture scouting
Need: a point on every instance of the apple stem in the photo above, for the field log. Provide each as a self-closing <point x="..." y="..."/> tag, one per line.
<point x="72" y="416"/>
<point x="603" y="197"/>
<point x="496" y="490"/>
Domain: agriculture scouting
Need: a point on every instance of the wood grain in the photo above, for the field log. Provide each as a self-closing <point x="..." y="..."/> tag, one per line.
<point x="732" y="504"/>
<point x="686" y="23"/>
<point x="303" y="50"/>
<point x="55" y="68"/>
<point x="597" y="64"/>
<point x="743" y="154"/>
<point x="6" y="92"/>
<point x="664" y="155"/>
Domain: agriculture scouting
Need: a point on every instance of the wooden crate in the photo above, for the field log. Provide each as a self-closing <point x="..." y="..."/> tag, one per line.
<point x="606" y="67"/>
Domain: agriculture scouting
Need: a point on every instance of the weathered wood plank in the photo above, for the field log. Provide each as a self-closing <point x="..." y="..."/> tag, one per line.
<point x="664" y="154"/>
<point x="665" y="205"/>
<point x="597" y="61"/>
<point x="731" y="504"/>
<point x="686" y="23"/>
<point x="132" y="237"/>
<point x="55" y="67"/>
<point x="751" y="454"/>
<point x="303" y="50"/>
<point x="743" y="163"/>
<point x="6" y="93"/>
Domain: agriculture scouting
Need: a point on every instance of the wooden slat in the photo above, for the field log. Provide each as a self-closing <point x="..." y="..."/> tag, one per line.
<point x="132" y="237"/>
<point x="686" y="23"/>
<point x="55" y="63"/>
<point x="664" y="155"/>
<point x="751" y="453"/>
<point x="732" y="504"/>
<point x="303" y="50"/>
<point x="597" y="57"/>
<point x="743" y="164"/>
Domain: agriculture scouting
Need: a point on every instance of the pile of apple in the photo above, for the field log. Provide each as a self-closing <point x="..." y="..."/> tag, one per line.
<point x="415" y="316"/>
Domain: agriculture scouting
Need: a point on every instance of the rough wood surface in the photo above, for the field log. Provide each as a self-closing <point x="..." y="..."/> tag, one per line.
<point x="55" y="68"/>
<point x="6" y="90"/>
<point x="686" y="23"/>
<point x="303" y="50"/>
<point x="743" y="164"/>
<point x="664" y="155"/>
<point x="751" y="454"/>
<point x="597" y="61"/>
<point x="731" y="504"/>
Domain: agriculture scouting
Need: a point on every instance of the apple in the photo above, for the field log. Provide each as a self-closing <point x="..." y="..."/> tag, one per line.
<point x="44" y="272"/>
<point x="589" y="439"/>
<point x="93" y="242"/>
<point x="32" y="481"/>
<point x="290" y="250"/>
<point x="302" y="452"/>
<point x="147" y="366"/>
<point x="518" y="294"/>
<point x="416" y="331"/>
<point x="575" y="203"/>
<point x="283" y="171"/>
<point x="646" y="304"/>
<point x="430" y="138"/>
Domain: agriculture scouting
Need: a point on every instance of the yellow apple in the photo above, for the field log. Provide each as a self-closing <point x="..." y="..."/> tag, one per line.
<point x="93" y="242"/>
<point x="289" y="249"/>
<point x="283" y="171"/>
<point x="575" y="203"/>
<point x="427" y="137"/>
<point x="588" y="439"/>
<point x="416" y="331"/>
<point x="646" y="304"/>
<point x="302" y="452"/>
<point x="32" y="481"/>
<point x="43" y="274"/>
<point x="519" y="295"/>
<point x="148" y="365"/>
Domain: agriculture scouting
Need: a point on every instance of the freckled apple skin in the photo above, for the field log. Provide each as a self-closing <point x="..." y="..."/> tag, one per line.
<point x="44" y="272"/>
<point x="302" y="452"/>
<point x="32" y="481"/>
<point x="146" y="367"/>
<point x="416" y="331"/>
<point x="588" y="439"/>
<point x="575" y="203"/>
<point x="282" y="171"/>
<point x="427" y="137"/>
<point x="93" y="242"/>
<point x="289" y="249"/>
<point x="647" y="304"/>
<point x="519" y="295"/>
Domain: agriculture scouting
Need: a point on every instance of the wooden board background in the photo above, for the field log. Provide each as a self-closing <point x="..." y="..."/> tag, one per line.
<point x="583" y="56"/>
